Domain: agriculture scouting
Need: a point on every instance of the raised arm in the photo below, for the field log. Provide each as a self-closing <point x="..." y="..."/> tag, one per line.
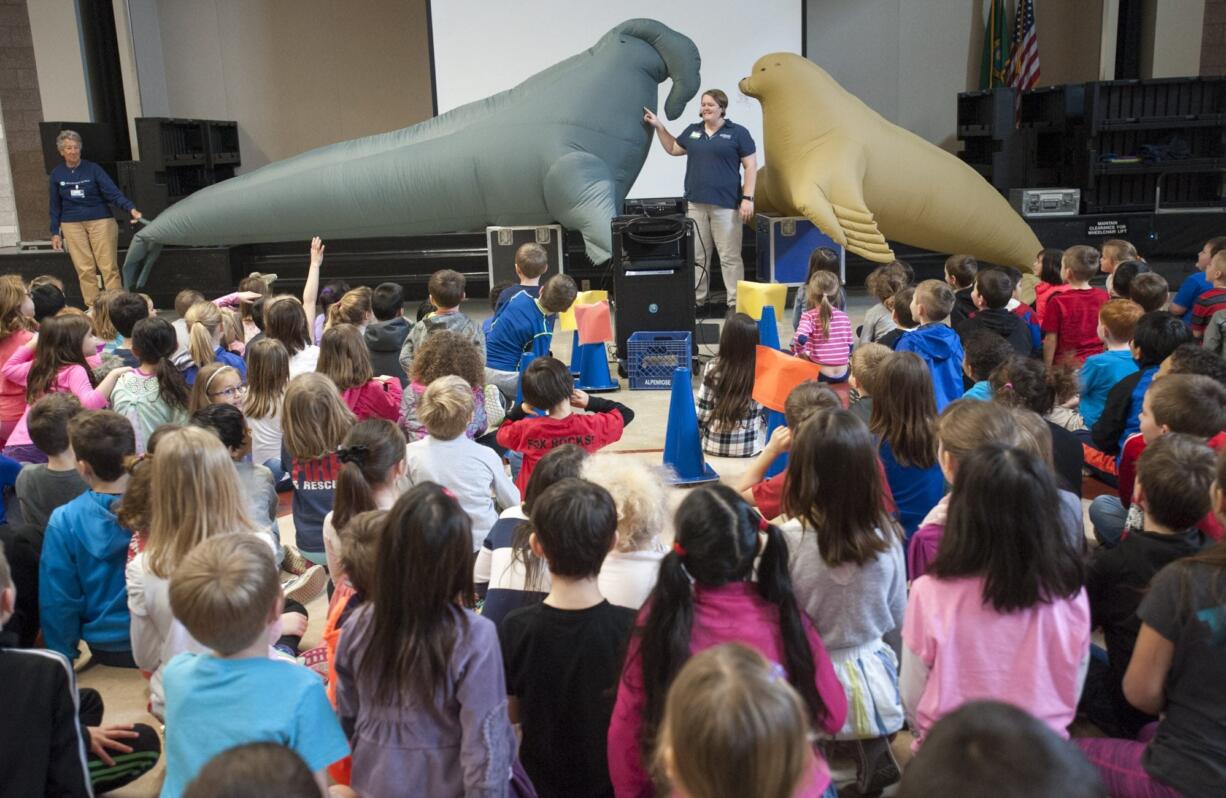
<point x="310" y="291"/>
<point x="667" y="141"/>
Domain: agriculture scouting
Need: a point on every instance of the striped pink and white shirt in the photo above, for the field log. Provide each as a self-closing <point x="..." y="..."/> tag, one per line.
<point x="833" y="349"/>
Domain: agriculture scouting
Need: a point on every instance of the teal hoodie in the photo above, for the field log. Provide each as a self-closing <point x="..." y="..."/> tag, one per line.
<point x="81" y="588"/>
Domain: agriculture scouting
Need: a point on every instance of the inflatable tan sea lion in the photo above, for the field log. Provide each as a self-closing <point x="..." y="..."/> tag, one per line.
<point x="862" y="179"/>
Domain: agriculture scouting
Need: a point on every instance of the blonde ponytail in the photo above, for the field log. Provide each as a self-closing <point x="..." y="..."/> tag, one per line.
<point x="203" y="321"/>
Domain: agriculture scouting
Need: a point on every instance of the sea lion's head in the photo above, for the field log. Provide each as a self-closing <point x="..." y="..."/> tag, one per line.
<point x="772" y="71"/>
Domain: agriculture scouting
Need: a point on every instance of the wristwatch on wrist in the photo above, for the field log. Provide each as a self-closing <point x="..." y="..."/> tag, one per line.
<point x="747" y="197"/>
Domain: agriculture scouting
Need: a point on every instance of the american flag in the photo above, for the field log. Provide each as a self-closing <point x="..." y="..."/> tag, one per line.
<point x="1023" y="70"/>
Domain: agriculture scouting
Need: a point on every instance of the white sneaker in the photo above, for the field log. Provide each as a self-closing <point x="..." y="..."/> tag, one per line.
<point x="305" y="587"/>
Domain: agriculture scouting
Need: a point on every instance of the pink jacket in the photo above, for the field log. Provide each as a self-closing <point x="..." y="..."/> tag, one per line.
<point x="375" y="399"/>
<point x="69" y="379"/>
<point x="734" y="613"/>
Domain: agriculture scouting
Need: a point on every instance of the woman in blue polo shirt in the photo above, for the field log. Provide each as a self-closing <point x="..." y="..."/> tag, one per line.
<point x="81" y="218"/>
<point x="717" y="200"/>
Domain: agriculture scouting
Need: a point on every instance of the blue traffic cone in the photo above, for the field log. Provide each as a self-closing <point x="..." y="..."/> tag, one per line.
<point x="594" y="374"/>
<point x="768" y="328"/>
<point x="775" y="420"/>
<point x="574" y="355"/>
<point x="682" y="445"/>
<point x="524" y="361"/>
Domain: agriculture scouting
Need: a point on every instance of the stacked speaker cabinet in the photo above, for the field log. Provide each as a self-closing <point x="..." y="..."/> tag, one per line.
<point x="653" y="275"/>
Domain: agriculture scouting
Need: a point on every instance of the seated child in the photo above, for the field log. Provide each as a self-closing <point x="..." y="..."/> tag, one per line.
<point x="562" y="656"/>
<point x="531" y="261"/>
<point x="984" y="352"/>
<point x="1150" y="291"/>
<point x="883" y="283"/>
<point x="254" y="769"/>
<point x="525" y="324"/>
<point x="446" y="289"/>
<point x="1025" y="382"/>
<point x="50" y="725"/>
<point x="45" y="486"/>
<point x="444" y="354"/>
<point x="81" y="591"/>
<point x="547" y="416"/>
<point x="385" y="335"/>
<point x="1174" y="477"/>
<point x="825" y="335"/>
<point x="864" y="364"/>
<point x="154" y="393"/>
<point x="226" y="594"/>
<point x="1215" y="334"/>
<point x="904" y="421"/>
<point x="935" y="342"/>
<point x="1213" y="300"/>
<point x="1121" y="279"/>
<point x="1115" y="252"/>
<point x="507" y="574"/>
<point x="1196" y="283"/>
<point x="1117" y="322"/>
<point x="991" y="295"/>
<point x="1070" y="324"/>
<point x="472" y="472"/>
<point x="1047" y="267"/>
<point x="900" y="309"/>
<point x="730" y="422"/>
<point x="344" y="358"/>
<point x="126" y="309"/>
<point x="960" y="272"/>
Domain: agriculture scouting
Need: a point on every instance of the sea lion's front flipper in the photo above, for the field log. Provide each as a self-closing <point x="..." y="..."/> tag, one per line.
<point x="580" y="193"/>
<point x="830" y="196"/>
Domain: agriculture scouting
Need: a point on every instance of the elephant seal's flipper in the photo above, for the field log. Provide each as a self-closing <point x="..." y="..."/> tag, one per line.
<point x="580" y="193"/>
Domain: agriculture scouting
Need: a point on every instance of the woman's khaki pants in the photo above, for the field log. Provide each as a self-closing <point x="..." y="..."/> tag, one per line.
<point x="92" y="245"/>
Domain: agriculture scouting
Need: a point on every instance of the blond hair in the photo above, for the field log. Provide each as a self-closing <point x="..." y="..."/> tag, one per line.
<point x="203" y="322"/>
<point x="967" y="424"/>
<point x="12" y="294"/>
<point x="865" y="361"/>
<point x="733" y="727"/>
<point x="446" y="407"/>
<point x="225" y="592"/>
<point x="231" y="328"/>
<point x="196" y="495"/>
<point x="344" y="358"/>
<point x="100" y="315"/>
<point x="314" y="419"/>
<point x="638" y="492"/>
<point x="206" y="378"/>
<point x="352" y="308"/>
<point x="267" y="376"/>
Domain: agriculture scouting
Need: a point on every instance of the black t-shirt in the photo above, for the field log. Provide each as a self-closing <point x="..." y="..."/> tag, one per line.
<point x="1068" y="456"/>
<point x="563" y="665"/>
<point x="1186" y="604"/>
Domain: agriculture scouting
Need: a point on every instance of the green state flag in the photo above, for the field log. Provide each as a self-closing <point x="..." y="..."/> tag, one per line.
<point x="995" y="38"/>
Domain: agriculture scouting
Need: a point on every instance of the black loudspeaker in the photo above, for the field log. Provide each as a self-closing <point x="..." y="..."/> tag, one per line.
<point x="653" y="275"/>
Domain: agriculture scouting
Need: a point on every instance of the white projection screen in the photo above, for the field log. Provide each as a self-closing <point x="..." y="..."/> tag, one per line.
<point x="482" y="47"/>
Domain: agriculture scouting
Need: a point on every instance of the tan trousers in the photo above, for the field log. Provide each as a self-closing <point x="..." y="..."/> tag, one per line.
<point x="92" y="245"/>
<point x="719" y="230"/>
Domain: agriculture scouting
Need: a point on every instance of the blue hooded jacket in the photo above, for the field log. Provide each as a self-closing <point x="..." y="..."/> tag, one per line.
<point x="81" y="587"/>
<point x="941" y="349"/>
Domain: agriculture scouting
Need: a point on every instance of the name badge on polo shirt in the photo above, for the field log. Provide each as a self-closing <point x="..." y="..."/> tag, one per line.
<point x="695" y="135"/>
<point x="725" y="135"/>
<point x="76" y="193"/>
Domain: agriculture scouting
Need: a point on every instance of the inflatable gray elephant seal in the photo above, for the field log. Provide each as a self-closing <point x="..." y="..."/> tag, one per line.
<point x="565" y="145"/>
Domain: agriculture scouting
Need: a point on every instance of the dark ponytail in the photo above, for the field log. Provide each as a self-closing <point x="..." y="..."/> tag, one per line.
<point x="154" y="341"/>
<point x="716" y="543"/>
<point x="370" y="450"/>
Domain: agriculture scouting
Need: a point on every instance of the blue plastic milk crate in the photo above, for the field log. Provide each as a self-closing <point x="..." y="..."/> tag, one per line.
<point x="652" y="355"/>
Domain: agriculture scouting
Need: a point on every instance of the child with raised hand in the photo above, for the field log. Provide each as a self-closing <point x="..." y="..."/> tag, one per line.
<point x="507" y="574"/>
<point x="883" y="283"/>
<point x="474" y="473"/>
<point x="935" y="342"/>
<point x="731" y="423"/>
<point x="204" y="330"/>
<point x="81" y="591"/>
<point x="1070" y="320"/>
<point x="992" y="748"/>
<point x="416" y="662"/>
<point x="154" y="393"/>
<point x="900" y="310"/>
<point x="344" y="359"/>
<point x="1117" y="321"/>
<point x="846" y="563"/>
<point x="372" y="466"/>
<point x="286" y="321"/>
<point x="446" y="289"/>
<point x="267" y="379"/>
<point x="1175" y="477"/>
<point x="55" y="362"/>
<point x="314" y="423"/>
<point x="865" y="362"/>
<point x="447" y="353"/>
<point x="1172" y="674"/>
<point x="1002" y="612"/>
<point x="733" y="726"/>
<point x="1027" y="383"/>
<point x="984" y="352"/>
<point x="641" y="495"/>
<point x="226" y="594"/>
<point x="1214" y="299"/>
<point x="825" y="336"/>
<point x="562" y="655"/>
<point x="216" y="383"/>
<point x="904" y="421"/>
<point x="547" y="416"/>
<point x="708" y="594"/>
